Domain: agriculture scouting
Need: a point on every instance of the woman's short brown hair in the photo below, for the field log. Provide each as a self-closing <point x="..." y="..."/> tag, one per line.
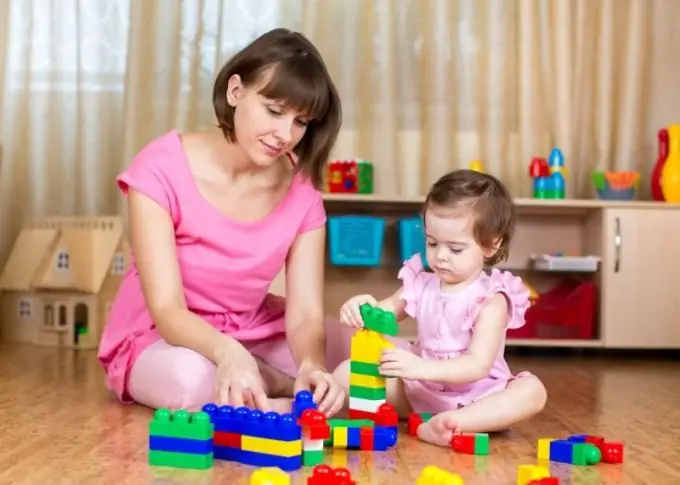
<point x="287" y="67"/>
<point x="492" y="206"/>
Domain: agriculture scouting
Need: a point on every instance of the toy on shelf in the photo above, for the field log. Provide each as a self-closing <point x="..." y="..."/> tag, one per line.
<point x="616" y="185"/>
<point x="181" y="439"/>
<point x="549" y="176"/>
<point x="561" y="262"/>
<point x="655" y="179"/>
<point x="670" y="174"/>
<point x="477" y="166"/>
<point x="350" y="177"/>
<point x="432" y="475"/>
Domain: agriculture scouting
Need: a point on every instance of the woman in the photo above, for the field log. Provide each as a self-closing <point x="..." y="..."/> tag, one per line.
<point x="214" y="217"/>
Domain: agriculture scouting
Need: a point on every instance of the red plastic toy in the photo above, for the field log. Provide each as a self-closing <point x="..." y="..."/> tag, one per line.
<point x="325" y="475"/>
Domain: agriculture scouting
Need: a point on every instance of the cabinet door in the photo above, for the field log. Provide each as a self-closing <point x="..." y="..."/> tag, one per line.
<point x="641" y="267"/>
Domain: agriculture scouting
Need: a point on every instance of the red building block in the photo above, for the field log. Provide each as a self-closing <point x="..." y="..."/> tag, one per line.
<point x="545" y="481"/>
<point x="314" y="425"/>
<point x="612" y="452"/>
<point x="463" y="443"/>
<point x="325" y="475"/>
<point x="414" y="420"/>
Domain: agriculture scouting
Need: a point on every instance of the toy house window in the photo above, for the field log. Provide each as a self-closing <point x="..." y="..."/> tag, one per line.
<point x="25" y="308"/>
<point x="118" y="265"/>
<point x="63" y="260"/>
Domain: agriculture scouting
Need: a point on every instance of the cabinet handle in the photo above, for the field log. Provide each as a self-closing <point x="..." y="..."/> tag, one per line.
<point x="617" y="244"/>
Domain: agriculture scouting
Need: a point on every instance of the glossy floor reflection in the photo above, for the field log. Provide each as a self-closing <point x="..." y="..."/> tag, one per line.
<point x="61" y="426"/>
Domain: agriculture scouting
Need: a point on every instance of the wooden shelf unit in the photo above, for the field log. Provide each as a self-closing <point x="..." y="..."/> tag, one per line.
<point x="636" y="242"/>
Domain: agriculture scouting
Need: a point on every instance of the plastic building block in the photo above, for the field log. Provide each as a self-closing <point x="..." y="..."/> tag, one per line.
<point x="545" y="481"/>
<point x="471" y="443"/>
<point x="432" y="475"/>
<point x="303" y="400"/>
<point x="181" y="440"/>
<point x="379" y="320"/>
<point x="574" y="453"/>
<point x="612" y="451"/>
<point x="252" y="437"/>
<point x="368" y="346"/>
<point x="325" y="475"/>
<point x="269" y="476"/>
<point x="365" y="368"/>
<point x="543" y="448"/>
<point x="366" y="438"/>
<point x="415" y="420"/>
<point x="528" y="473"/>
<point x="315" y="430"/>
<point x="350" y="176"/>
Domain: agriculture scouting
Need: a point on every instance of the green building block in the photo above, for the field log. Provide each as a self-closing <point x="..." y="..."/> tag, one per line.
<point x="180" y="460"/>
<point x="181" y="424"/>
<point x="364" y="177"/>
<point x="350" y="423"/>
<point x="379" y="320"/>
<point x="368" y="393"/>
<point x="482" y="444"/>
<point x="585" y="454"/>
<point x="365" y="368"/>
<point x="312" y="458"/>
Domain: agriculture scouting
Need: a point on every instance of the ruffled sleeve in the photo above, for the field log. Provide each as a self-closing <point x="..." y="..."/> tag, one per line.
<point x="514" y="290"/>
<point x="411" y="276"/>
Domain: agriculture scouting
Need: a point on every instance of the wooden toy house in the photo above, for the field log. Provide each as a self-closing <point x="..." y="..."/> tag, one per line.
<point x="60" y="280"/>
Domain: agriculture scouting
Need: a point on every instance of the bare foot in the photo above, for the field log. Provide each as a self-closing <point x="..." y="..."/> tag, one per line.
<point x="439" y="429"/>
<point x="281" y="405"/>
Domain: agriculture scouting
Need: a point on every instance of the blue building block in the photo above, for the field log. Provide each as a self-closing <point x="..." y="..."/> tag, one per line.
<point x="251" y="458"/>
<point x="253" y="422"/>
<point x="303" y="400"/>
<point x="180" y="445"/>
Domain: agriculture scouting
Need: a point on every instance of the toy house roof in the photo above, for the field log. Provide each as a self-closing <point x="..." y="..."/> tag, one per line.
<point x="90" y="243"/>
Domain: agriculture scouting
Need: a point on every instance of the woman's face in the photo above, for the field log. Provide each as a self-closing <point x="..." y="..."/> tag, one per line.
<point x="264" y="129"/>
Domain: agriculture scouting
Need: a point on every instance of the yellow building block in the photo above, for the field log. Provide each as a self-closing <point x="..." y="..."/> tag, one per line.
<point x="543" y="448"/>
<point x="271" y="447"/>
<point x="340" y="437"/>
<point x="368" y="346"/>
<point x="269" y="476"/>
<point x="372" y="382"/>
<point x="527" y="473"/>
<point x="432" y="475"/>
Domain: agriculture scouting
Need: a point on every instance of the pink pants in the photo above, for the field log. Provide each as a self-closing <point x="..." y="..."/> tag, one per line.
<point x="179" y="378"/>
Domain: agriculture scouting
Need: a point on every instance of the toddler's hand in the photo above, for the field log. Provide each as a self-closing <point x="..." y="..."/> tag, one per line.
<point x="397" y="362"/>
<point x="238" y="382"/>
<point x="350" y="313"/>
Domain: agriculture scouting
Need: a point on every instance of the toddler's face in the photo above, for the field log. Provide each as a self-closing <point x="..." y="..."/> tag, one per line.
<point x="452" y="251"/>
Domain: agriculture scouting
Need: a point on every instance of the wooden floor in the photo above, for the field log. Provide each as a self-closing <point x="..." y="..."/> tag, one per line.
<point x="60" y="425"/>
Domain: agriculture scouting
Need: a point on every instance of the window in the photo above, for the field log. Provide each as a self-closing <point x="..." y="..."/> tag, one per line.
<point x="25" y="308"/>
<point x="118" y="265"/>
<point x="63" y="261"/>
<point x="83" y="46"/>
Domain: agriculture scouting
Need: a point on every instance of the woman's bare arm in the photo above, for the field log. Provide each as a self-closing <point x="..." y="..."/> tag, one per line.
<point x="304" y="298"/>
<point x="153" y="244"/>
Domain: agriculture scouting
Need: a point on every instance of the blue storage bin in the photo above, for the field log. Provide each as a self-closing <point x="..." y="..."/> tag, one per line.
<point x="412" y="238"/>
<point x="356" y="240"/>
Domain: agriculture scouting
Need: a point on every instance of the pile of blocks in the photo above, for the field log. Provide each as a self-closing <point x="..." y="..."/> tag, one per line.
<point x="367" y="388"/>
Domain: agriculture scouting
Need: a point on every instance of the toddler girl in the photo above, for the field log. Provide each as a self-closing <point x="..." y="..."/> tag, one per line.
<point x="456" y="369"/>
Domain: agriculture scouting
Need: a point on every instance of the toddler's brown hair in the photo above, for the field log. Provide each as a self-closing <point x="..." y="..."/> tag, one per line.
<point x="492" y="206"/>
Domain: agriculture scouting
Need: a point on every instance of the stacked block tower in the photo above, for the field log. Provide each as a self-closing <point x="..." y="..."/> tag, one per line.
<point x="182" y="439"/>
<point x="368" y="389"/>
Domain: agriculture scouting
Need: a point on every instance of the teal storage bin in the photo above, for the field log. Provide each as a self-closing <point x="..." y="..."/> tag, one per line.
<point x="412" y="238"/>
<point x="356" y="240"/>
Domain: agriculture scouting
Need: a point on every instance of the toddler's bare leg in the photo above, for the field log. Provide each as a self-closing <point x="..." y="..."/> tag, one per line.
<point x="395" y="390"/>
<point x="520" y="400"/>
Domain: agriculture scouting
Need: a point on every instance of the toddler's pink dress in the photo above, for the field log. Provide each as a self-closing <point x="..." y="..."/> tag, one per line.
<point x="445" y="326"/>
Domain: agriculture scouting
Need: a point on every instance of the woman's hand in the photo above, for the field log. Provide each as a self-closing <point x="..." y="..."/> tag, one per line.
<point x="327" y="392"/>
<point x="238" y="381"/>
<point x="350" y="313"/>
